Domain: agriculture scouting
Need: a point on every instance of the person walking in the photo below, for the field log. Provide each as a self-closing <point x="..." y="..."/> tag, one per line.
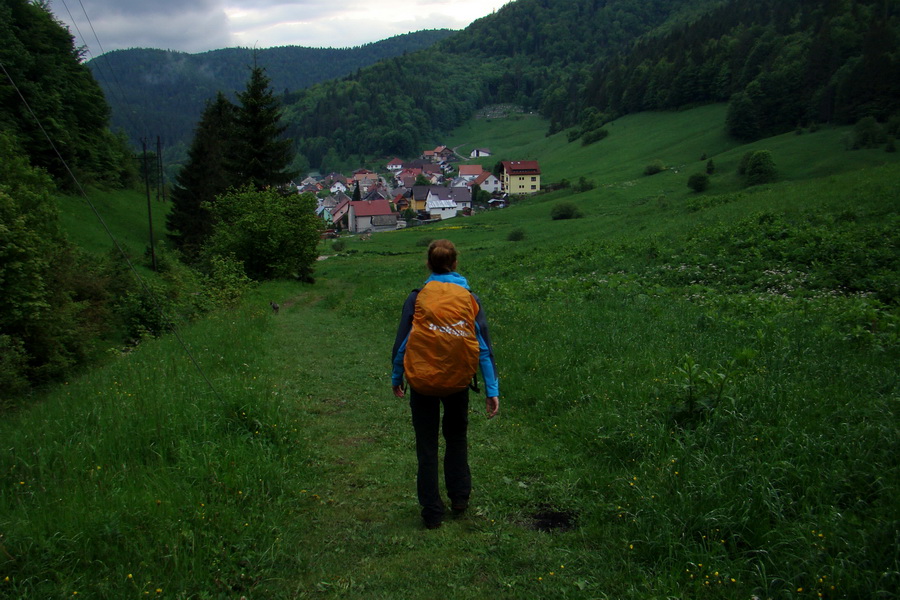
<point x="441" y="342"/>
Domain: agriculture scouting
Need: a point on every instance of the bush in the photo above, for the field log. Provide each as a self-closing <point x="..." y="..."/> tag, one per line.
<point x="698" y="182"/>
<point x="338" y="245"/>
<point x="565" y="210"/>
<point x="867" y="133"/>
<point x="710" y="167"/>
<point x="516" y="235"/>
<point x="655" y="167"/>
<point x="584" y="185"/>
<point x="593" y="136"/>
<point x="424" y="242"/>
<point x="760" y="168"/>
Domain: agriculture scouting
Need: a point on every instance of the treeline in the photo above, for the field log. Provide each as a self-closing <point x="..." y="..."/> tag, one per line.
<point x="161" y="92"/>
<point x="780" y="63"/>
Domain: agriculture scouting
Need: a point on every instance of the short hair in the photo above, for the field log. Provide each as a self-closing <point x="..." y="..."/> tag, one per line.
<point x="442" y="256"/>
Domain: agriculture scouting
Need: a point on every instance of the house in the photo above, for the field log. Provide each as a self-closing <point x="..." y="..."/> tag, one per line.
<point x="463" y="197"/>
<point x="443" y="153"/>
<point x="371" y="215"/>
<point x="338" y="187"/>
<point x="395" y="166"/>
<point x="470" y="172"/>
<point x="401" y="201"/>
<point x="441" y="209"/>
<point x="488" y="182"/>
<point x="325" y="208"/>
<point x="521" y="177"/>
<point x="479" y="152"/>
<point x="419" y="197"/>
<point x="441" y="202"/>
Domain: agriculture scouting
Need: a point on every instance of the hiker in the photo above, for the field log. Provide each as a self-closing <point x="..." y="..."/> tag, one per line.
<point x="442" y="340"/>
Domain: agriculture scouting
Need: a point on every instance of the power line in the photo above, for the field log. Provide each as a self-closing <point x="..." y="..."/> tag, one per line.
<point x="142" y="126"/>
<point x="115" y="242"/>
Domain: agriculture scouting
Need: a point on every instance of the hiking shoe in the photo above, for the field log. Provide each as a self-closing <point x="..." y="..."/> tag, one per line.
<point x="432" y="524"/>
<point x="459" y="507"/>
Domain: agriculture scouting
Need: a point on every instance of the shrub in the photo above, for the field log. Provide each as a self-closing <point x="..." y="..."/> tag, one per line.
<point x="424" y="242"/>
<point x="698" y="182"/>
<point x="867" y="133"/>
<point x="655" y="167"/>
<point x="593" y="136"/>
<point x="760" y="168"/>
<point x="338" y="245"/>
<point x="565" y="210"/>
<point x="584" y="185"/>
<point x="710" y="167"/>
<point x="516" y="235"/>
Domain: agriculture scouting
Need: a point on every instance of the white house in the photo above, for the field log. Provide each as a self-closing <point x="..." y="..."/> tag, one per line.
<point x="441" y="209"/>
<point x="488" y="182"/>
<point x="478" y="152"/>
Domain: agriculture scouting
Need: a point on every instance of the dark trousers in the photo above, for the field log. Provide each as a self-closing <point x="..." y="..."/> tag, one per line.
<point x="426" y="418"/>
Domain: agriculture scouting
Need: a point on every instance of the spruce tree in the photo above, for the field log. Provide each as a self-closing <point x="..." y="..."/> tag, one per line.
<point x="259" y="156"/>
<point x="202" y="179"/>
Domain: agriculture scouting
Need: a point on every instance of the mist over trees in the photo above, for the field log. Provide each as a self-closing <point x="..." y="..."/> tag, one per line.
<point x="170" y="89"/>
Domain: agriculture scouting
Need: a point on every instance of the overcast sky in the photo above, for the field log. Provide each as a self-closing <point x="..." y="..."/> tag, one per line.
<point x="200" y="25"/>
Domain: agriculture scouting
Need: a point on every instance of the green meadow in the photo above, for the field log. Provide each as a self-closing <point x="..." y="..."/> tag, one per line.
<point x="699" y="399"/>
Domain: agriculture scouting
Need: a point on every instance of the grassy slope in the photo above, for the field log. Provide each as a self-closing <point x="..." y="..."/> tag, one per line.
<point x="296" y="478"/>
<point x="124" y="213"/>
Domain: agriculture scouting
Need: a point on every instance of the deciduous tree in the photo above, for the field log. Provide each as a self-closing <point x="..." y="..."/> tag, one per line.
<point x="273" y="235"/>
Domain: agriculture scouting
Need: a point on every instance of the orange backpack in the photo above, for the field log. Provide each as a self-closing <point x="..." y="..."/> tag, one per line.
<point x="442" y="349"/>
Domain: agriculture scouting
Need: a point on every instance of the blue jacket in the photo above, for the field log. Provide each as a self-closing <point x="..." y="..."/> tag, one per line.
<point x="486" y="352"/>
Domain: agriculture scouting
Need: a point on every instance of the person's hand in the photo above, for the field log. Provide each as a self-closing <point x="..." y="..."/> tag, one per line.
<point x="399" y="391"/>
<point x="492" y="406"/>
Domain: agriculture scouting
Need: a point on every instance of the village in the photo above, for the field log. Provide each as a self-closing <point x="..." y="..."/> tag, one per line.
<point x="429" y="188"/>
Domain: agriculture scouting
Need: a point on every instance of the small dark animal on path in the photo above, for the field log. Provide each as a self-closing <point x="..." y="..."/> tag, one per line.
<point x="275" y="307"/>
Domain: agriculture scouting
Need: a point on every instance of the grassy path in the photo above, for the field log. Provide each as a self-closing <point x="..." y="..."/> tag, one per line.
<point x="361" y="529"/>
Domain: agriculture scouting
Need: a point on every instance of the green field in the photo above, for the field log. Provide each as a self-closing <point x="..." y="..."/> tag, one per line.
<point x="699" y="399"/>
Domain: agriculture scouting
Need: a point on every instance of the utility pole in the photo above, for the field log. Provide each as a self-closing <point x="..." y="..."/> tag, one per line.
<point x="149" y="207"/>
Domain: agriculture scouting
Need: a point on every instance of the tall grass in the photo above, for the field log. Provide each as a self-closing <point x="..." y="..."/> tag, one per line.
<point x="696" y="403"/>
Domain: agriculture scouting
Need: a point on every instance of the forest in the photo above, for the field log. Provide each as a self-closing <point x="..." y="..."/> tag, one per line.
<point x="162" y="93"/>
<point x="780" y="64"/>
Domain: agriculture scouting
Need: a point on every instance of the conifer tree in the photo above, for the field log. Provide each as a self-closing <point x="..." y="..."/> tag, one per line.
<point x="259" y="155"/>
<point x="202" y="179"/>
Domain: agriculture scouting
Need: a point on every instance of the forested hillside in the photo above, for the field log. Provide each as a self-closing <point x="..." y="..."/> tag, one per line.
<point x="781" y="64"/>
<point x="584" y="62"/>
<point x="161" y="92"/>
<point x="43" y="84"/>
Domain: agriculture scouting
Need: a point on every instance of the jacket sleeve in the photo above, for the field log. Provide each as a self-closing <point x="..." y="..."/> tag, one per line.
<point x="486" y="354"/>
<point x="406" y="319"/>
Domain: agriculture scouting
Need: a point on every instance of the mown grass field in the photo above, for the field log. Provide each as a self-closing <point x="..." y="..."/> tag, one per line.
<point x="699" y="400"/>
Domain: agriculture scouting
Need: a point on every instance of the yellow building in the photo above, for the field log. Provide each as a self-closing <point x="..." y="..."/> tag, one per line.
<point x="521" y="177"/>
